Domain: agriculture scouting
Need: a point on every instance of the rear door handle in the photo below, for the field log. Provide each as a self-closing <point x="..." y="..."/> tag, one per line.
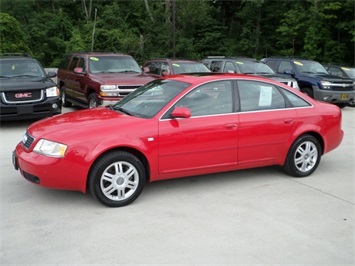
<point x="231" y="126"/>
<point x="288" y="121"/>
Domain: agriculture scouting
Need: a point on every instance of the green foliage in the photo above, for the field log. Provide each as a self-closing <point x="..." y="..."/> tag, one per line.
<point x="321" y="30"/>
<point x="12" y="37"/>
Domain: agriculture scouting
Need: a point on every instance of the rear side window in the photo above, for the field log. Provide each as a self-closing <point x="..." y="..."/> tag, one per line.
<point x="73" y="63"/>
<point x="216" y="66"/>
<point x="295" y="100"/>
<point x="259" y="96"/>
<point x="64" y="62"/>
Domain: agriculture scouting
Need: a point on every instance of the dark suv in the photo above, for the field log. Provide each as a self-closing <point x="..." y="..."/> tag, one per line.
<point x="90" y="79"/>
<point x="246" y="65"/>
<point x="314" y="80"/>
<point x="165" y="66"/>
<point x="26" y="90"/>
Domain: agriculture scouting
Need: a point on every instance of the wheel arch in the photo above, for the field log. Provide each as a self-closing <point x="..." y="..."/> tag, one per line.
<point x="314" y="134"/>
<point x="133" y="151"/>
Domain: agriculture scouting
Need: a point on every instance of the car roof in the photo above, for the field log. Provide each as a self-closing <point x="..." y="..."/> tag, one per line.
<point x="99" y="53"/>
<point x="173" y="60"/>
<point x="15" y="56"/>
<point x="198" y="78"/>
<point x="230" y="58"/>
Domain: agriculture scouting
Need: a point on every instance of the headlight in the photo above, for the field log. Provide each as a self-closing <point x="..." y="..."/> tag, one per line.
<point x="50" y="148"/>
<point x="109" y="90"/>
<point x="52" y="92"/>
<point x="326" y="84"/>
<point x="108" y="87"/>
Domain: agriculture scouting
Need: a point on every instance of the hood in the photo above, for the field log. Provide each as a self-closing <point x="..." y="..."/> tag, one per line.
<point x="127" y="78"/>
<point x="28" y="84"/>
<point x="97" y="121"/>
<point x="329" y="77"/>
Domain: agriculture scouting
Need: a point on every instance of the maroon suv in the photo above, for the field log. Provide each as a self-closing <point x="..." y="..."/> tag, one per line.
<point x="90" y="79"/>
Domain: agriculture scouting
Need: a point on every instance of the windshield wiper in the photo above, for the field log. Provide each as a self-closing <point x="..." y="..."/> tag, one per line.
<point x="123" y="111"/>
<point x="128" y="71"/>
<point x="25" y="75"/>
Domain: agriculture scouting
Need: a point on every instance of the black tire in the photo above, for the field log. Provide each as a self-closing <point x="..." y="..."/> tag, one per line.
<point x="65" y="102"/>
<point x="303" y="157"/>
<point x="93" y="101"/>
<point x="351" y="103"/>
<point x="117" y="179"/>
<point x="341" y="105"/>
<point x="308" y="92"/>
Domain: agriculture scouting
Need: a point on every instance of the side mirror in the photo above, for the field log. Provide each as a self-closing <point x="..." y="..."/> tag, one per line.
<point x="52" y="74"/>
<point x="289" y="72"/>
<point x="79" y="70"/>
<point x="146" y="69"/>
<point x="181" y="112"/>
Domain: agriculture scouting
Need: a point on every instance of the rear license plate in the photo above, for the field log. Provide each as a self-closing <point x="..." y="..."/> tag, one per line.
<point x="344" y="96"/>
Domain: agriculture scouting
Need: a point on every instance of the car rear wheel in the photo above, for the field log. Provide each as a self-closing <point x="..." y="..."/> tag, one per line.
<point x="93" y="101"/>
<point x="117" y="179"/>
<point x="303" y="157"/>
<point x="65" y="102"/>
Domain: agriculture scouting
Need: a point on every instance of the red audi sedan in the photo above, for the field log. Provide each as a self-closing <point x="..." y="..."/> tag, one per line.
<point x="178" y="126"/>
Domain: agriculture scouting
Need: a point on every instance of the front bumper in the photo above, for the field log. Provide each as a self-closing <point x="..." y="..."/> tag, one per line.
<point x="48" y="172"/>
<point x="334" y="96"/>
<point x="49" y="107"/>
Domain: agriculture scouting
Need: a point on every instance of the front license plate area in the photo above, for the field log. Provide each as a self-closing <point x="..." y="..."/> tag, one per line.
<point x="344" y="96"/>
<point x="24" y="110"/>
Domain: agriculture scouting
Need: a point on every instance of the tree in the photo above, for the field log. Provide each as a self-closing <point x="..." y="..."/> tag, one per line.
<point x="12" y="37"/>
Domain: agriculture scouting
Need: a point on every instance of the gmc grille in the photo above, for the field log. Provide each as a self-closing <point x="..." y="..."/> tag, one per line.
<point x="23" y="96"/>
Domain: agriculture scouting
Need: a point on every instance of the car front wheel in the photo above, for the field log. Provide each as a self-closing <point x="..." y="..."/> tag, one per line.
<point x="303" y="157"/>
<point x="117" y="179"/>
<point x="93" y="101"/>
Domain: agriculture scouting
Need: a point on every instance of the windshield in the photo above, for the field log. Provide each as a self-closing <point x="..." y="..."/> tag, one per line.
<point x="252" y="67"/>
<point x="113" y="64"/>
<point x="23" y="68"/>
<point x="149" y="99"/>
<point x="310" y="67"/>
<point x="187" y="67"/>
<point x="350" y="72"/>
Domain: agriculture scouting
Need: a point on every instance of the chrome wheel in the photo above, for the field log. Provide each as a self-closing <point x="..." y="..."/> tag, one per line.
<point x="306" y="156"/>
<point x="117" y="178"/>
<point x="119" y="181"/>
<point x="303" y="156"/>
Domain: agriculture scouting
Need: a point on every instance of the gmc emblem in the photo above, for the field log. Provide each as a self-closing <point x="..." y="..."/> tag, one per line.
<point x="23" y="95"/>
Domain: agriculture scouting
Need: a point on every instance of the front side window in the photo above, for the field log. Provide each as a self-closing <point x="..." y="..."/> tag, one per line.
<point x="209" y="99"/>
<point x="284" y="66"/>
<point x="229" y="68"/>
<point x="256" y="96"/>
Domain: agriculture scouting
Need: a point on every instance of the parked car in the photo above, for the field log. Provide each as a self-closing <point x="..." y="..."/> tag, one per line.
<point x="178" y="126"/>
<point x="314" y="80"/>
<point x="90" y="79"/>
<point x="341" y="71"/>
<point x="246" y="65"/>
<point x="26" y="90"/>
<point x="165" y="67"/>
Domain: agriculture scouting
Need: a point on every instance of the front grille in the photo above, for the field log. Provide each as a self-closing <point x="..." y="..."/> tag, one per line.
<point x="23" y="96"/>
<point x="27" y="140"/>
<point x="342" y="87"/>
<point x="125" y="90"/>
